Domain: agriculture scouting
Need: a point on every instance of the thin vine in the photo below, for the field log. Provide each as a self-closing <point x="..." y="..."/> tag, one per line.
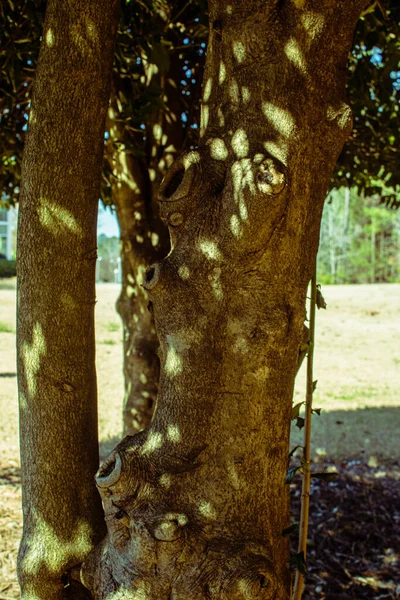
<point x="305" y="460"/>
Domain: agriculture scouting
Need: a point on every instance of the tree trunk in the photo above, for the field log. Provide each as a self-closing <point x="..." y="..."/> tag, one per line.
<point x="196" y="504"/>
<point x="144" y="238"/>
<point x="56" y="296"/>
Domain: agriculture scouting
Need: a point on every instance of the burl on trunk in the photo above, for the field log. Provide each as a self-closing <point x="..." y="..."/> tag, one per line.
<point x="196" y="504"/>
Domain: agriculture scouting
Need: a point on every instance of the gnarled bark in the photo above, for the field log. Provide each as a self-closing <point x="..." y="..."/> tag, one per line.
<point x="196" y="504"/>
<point x="56" y="297"/>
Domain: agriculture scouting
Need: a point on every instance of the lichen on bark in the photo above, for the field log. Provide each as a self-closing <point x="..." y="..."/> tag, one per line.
<point x="196" y="504"/>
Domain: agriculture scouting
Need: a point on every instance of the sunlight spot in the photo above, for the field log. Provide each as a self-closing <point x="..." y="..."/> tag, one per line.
<point x="154" y="441"/>
<point x="222" y="73"/>
<point x="245" y="94"/>
<point x="57" y="219"/>
<point x="210" y="249"/>
<point x="214" y="278"/>
<point x="165" y="480"/>
<point x="313" y="23"/>
<point x="173" y="362"/>
<point x="235" y="226"/>
<point x="239" y="51"/>
<point x="32" y="354"/>
<point x="32" y="117"/>
<point x="164" y="139"/>
<point x="218" y="149"/>
<point x="139" y="239"/>
<point x="342" y="115"/>
<point x="191" y="159"/>
<point x="299" y="3"/>
<point x="183" y="272"/>
<point x="205" y="114"/>
<point x="143" y="378"/>
<point x="157" y="131"/>
<point x="47" y="549"/>
<point x="180" y="517"/>
<point x="154" y="239"/>
<point x="131" y="291"/>
<point x="234" y="476"/>
<point x="135" y="319"/>
<point x="141" y="270"/>
<point x="277" y="150"/>
<point x="173" y="433"/>
<point x="221" y="118"/>
<point x="240" y="143"/>
<point x="207" y="510"/>
<point x="234" y="91"/>
<point x="207" y="90"/>
<point x="229" y="9"/>
<point x="49" y="38"/>
<point x="137" y="215"/>
<point x="280" y="118"/>
<point x="295" y="55"/>
<point x="243" y="210"/>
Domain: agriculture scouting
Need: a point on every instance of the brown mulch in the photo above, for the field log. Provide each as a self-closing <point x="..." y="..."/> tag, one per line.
<point x="354" y="547"/>
<point x="354" y="534"/>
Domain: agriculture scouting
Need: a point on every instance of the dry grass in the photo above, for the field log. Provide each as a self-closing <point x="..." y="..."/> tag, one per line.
<point x="357" y="364"/>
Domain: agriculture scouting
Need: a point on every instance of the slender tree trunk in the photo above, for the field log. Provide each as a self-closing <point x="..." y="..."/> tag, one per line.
<point x="144" y="239"/>
<point x="56" y="296"/>
<point x="196" y="504"/>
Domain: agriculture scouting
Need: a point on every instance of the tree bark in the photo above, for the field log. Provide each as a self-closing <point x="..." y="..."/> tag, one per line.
<point x="144" y="238"/>
<point x="196" y="504"/>
<point x="56" y="296"/>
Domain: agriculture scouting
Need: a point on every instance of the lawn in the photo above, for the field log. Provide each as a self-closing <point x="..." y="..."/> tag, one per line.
<point x="357" y="364"/>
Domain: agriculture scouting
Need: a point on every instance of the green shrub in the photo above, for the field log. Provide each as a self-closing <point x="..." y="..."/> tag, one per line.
<point x="7" y="268"/>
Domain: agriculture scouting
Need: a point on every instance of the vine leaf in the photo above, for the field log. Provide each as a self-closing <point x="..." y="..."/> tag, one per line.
<point x="320" y="300"/>
<point x="296" y="410"/>
<point x="294" y="450"/>
<point x="291" y="473"/>
<point x="299" y="562"/>
<point x="300" y="422"/>
<point x="293" y="527"/>
<point x="316" y="411"/>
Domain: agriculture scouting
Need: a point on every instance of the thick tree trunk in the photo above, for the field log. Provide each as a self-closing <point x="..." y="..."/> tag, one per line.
<point x="56" y="296"/>
<point x="196" y="504"/>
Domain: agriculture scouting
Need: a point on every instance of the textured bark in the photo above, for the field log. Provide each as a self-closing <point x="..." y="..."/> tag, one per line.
<point x="143" y="241"/>
<point x="56" y="296"/>
<point x="144" y="238"/>
<point x="196" y="504"/>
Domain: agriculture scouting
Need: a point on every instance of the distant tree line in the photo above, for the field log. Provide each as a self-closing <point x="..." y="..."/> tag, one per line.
<point x="360" y="241"/>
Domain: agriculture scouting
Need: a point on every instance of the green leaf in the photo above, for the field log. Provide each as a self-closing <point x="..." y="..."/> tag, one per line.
<point x="294" y="450"/>
<point x="296" y="410"/>
<point x="291" y="473"/>
<point x="324" y="476"/>
<point x="320" y="300"/>
<point x="316" y="411"/>
<point x="300" y="422"/>
<point x="293" y="527"/>
<point x="299" y="562"/>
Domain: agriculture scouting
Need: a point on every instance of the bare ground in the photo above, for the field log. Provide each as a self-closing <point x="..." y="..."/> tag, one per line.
<point x="357" y="367"/>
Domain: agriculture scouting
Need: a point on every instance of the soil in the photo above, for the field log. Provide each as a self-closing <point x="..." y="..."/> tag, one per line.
<point x="354" y="524"/>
